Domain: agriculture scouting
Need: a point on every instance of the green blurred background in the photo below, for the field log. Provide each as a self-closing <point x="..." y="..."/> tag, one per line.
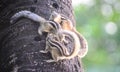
<point x="98" y="21"/>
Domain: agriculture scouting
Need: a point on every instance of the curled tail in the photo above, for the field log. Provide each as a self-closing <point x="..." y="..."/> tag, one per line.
<point x="76" y="42"/>
<point x="27" y="14"/>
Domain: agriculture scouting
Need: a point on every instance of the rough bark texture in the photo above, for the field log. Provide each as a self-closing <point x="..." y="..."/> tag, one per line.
<point x="20" y="43"/>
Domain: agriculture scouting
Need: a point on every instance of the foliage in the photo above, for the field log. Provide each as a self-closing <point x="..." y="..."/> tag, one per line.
<point x="99" y="23"/>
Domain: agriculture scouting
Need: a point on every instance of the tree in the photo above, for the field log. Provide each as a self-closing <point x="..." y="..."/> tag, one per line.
<point x="20" y="43"/>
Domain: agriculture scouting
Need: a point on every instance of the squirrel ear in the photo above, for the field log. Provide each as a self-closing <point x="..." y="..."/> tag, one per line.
<point x="55" y="17"/>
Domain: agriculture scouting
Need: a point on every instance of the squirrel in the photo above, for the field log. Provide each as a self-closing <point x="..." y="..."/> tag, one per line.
<point x="66" y="24"/>
<point x="48" y="26"/>
<point x="59" y="50"/>
<point x="45" y="25"/>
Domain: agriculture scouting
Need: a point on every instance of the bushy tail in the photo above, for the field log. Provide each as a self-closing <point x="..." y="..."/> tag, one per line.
<point x="27" y="14"/>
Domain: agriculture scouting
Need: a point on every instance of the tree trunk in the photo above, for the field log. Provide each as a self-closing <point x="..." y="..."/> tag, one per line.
<point x="20" y="43"/>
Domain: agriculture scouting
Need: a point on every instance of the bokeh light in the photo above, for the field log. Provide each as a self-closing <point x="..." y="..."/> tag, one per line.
<point x="111" y="28"/>
<point x="99" y="22"/>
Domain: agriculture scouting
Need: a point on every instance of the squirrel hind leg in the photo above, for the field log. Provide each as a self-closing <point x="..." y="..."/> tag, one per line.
<point x="55" y="59"/>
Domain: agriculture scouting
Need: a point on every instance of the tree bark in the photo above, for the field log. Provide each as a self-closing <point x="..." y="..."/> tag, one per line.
<point x="20" y="43"/>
